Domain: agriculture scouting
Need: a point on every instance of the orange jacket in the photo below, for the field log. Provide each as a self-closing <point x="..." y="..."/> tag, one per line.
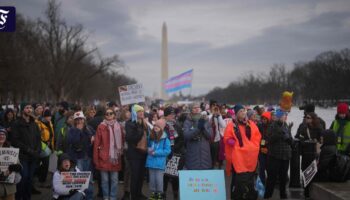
<point x="245" y="158"/>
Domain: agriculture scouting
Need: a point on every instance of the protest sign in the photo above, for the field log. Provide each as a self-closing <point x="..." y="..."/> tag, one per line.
<point x="130" y="94"/>
<point x="75" y="180"/>
<point x="309" y="173"/>
<point x="202" y="184"/>
<point x="172" y="166"/>
<point x="8" y="156"/>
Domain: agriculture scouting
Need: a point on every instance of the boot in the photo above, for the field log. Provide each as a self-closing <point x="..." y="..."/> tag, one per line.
<point x="153" y="196"/>
<point x="160" y="196"/>
<point x="126" y="196"/>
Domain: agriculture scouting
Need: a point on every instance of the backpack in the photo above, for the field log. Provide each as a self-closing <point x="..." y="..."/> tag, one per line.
<point x="339" y="172"/>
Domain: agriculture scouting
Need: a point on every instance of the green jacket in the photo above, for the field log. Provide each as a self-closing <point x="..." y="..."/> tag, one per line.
<point x="343" y="136"/>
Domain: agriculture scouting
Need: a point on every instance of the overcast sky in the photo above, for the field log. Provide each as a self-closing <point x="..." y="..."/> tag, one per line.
<point x="221" y="40"/>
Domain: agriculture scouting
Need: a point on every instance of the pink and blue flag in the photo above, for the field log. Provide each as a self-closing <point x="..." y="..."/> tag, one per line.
<point x="179" y="82"/>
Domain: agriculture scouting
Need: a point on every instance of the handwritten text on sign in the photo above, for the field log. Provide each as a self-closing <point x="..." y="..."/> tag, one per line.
<point x="8" y="156"/>
<point x="130" y="94"/>
<point x="202" y="184"/>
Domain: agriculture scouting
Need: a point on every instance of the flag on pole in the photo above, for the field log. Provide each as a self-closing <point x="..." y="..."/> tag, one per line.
<point x="179" y="82"/>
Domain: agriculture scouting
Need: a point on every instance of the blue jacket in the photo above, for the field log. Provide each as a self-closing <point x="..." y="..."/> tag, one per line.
<point x="161" y="151"/>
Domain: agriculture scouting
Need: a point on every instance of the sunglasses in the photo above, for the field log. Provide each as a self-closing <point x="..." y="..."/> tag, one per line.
<point x="307" y="117"/>
<point x="109" y="113"/>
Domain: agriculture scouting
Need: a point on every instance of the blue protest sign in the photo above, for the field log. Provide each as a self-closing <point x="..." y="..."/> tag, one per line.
<point x="202" y="184"/>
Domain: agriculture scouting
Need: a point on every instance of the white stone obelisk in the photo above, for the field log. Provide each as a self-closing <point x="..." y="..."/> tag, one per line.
<point x="164" y="61"/>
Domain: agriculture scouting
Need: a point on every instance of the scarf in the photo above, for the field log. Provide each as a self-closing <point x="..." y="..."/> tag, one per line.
<point x="171" y="132"/>
<point x="115" y="140"/>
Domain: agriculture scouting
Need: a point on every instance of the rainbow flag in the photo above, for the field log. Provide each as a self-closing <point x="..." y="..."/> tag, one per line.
<point x="179" y="82"/>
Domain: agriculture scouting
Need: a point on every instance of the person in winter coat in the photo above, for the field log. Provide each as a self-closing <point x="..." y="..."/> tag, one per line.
<point x="65" y="164"/>
<point x="310" y="129"/>
<point x="264" y="126"/>
<point x="79" y="140"/>
<point x="217" y="125"/>
<point x="124" y="117"/>
<point x="8" y="190"/>
<point x="327" y="155"/>
<point x="136" y="129"/>
<point x="197" y="134"/>
<point x="60" y="117"/>
<point x="47" y="146"/>
<point x="175" y="135"/>
<point x="26" y="137"/>
<point x="341" y="126"/>
<point x="158" y="150"/>
<point x="242" y="144"/>
<point x="279" y="154"/>
<point x="61" y="143"/>
<point x="8" y="121"/>
<point x="108" y="148"/>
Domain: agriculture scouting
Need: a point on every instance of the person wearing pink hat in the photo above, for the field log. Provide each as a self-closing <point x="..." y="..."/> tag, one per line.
<point x="341" y="126"/>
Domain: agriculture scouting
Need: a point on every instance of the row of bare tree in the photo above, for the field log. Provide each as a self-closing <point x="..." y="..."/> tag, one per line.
<point x="325" y="78"/>
<point x="50" y="60"/>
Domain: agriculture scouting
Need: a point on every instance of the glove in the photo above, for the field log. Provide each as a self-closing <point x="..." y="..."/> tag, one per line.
<point x="231" y="141"/>
<point x="15" y="168"/>
<point x="71" y="192"/>
<point x="201" y="123"/>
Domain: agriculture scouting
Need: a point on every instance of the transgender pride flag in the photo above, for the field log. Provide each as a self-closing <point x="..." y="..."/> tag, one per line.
<point x="179" y="82"/>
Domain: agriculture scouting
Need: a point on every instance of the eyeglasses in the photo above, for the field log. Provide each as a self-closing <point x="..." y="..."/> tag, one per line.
<point x="109" y="113"/>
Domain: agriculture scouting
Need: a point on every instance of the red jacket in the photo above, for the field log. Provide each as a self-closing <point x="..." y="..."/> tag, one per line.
<point x="101" y="150"/>
<point x="245" y="158"/>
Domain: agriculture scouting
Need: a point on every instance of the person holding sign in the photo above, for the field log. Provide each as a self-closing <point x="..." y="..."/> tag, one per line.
<point x="158" y="150"/>
<point x="60" y="191"/>
<point x="136" y="132"/>
<point x="8" y="189"/>
<point x="108" y="148"/>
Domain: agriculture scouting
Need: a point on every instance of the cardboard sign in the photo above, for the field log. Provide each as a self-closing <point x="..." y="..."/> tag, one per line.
<point x="202" y="184"/>
<point x="172" y="166"/>
<point x="75" y="180"/>
<point x="8" y="156"/>
<point x="309" y="173"/>
<point x="130" y="94"/>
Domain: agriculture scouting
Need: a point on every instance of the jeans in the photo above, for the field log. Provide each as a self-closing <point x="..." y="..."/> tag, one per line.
<point x="109" y="179"/>
<point x="85" y="164"/>
<point x="276" y="168"/>
<point x="156" y="180"/>
<point x="24" y="187"/>
<point x="137" y="170"/>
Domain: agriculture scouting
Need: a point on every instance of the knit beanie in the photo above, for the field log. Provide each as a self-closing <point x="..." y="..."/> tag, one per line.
<point x="237" y="108"/>
<point x="280" y="113"/>
<point x="342" y="108"/>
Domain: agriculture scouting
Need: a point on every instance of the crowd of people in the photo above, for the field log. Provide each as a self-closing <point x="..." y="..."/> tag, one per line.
<point x="134" y="143"/>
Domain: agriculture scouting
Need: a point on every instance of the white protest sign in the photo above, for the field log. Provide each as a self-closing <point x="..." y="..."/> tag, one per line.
<point x="309" y="173"/>
<point x="8" y="156"/>
<point x="75" y="180"/>
<point x="130" y="94"/>
<point x="172" y="166"/>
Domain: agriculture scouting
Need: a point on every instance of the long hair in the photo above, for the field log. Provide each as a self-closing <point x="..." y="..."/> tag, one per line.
<point x="316" y="123"/>
<point x="155" y="136"/>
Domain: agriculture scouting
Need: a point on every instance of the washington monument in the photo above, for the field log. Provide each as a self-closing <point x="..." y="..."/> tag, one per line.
<point x="164" y="61"/>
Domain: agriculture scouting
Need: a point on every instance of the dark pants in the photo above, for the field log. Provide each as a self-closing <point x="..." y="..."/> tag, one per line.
<point x="276" y="168"/>
<point x="137" y="170"/>
<point x="262" y="167"/>
<point x="43" y="169"/>
<point x="214" y="151"/>
<point x="174" y="184"/>
<point x="24" y="188"/>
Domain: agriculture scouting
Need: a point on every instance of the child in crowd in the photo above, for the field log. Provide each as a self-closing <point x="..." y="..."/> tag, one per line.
<point x="158" y="150"/>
